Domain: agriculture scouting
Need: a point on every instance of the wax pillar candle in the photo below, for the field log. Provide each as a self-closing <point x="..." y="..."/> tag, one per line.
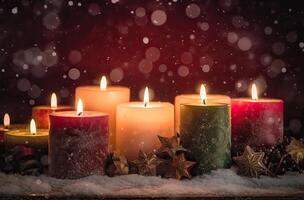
<point x="30" y="138"/>
<point x="139" y="123"/>
<point x="104" y="99"/>
<point x="41" y="113"/>
<point x="256" y="122"/>
<point x="206" y="133"/>
<point x="78" y="143"/>
<point x="5" y="128"/>
<point x="195" y="98"/>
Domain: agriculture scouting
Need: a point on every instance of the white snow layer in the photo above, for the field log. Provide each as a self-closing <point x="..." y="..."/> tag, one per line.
<point x="224" y="182"/>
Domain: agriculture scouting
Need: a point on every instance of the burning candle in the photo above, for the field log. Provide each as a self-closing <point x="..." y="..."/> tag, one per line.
<point x="104" y="98"/>
<point x="256" y="122"/>
<point x="6" y="124"/>
<point x="139" y="123"/>
<point x="78" y="143"/>
<point x="41" y="113"/>
<point x="206" y="133"/>
<point x="195" y="98"/>
<point x="31" y="138"/>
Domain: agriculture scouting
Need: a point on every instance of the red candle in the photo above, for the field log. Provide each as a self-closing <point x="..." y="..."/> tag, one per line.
<point x="78" y="143"/>
<point x="41" y="113"/>
<point x="256" y="122"/>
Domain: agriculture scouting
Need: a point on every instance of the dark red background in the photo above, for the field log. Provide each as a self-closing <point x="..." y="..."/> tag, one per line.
<point x="113" y="39"/>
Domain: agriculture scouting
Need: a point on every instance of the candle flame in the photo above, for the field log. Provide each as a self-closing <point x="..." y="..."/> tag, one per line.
<point x="103" y="83"/>
<point x="79" y="107"/>
<point x="254" y="92"/>
<point x="53" y="101"/>
<point x="33" y="129"/>
<point x="203" y="94"/>
<point x="146" y="96"/>
<point x="6" y="120"/>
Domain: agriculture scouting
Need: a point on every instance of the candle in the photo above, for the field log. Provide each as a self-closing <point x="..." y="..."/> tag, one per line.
<point x="6" y="123"/>
<point x="78" y="143"/>
<point x="205" y="132"/>
<point x="256" y="122"/>
<point x="194" y="98"/>
<point x="31" y="138"/>
<point x="41" y="113"/>
<point x="104" y="99"/>
<point x="139" y="123"/>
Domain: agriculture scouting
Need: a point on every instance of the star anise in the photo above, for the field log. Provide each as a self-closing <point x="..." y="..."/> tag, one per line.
<point x="170" y="145"/>
<point x="179" y="167"/>
<point x="118" y="165"/>
<point x="146" y="164"/>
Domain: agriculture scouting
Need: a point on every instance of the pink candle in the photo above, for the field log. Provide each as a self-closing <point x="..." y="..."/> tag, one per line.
<point x="78" y="143"/>
<point x="256" y="122"/>
<point x="41" y="113"/>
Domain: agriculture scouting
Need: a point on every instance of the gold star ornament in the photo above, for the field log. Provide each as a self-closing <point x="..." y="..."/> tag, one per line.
<point x="251" y="163"/>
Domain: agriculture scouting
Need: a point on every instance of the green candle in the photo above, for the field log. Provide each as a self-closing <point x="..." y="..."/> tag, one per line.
<point x="206" y="133"/>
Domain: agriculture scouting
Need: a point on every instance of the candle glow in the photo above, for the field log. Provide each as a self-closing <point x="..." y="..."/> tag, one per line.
<point x="103" y="83"/>
<point x="203" y="94"/>
<point x="33" y="129"/>
<point x="254" y="92"/>
<point x="146" y="97"/>
<point x="79" y="107"/>
<point x="53" y="101"/>
<point x="6" y="120"/>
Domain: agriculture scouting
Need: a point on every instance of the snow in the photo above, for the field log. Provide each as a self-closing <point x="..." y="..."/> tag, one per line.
<point x="224" y="182"/>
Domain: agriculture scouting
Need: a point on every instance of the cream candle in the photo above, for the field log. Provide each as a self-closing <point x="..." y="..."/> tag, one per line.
<point x="78" y="143"/>
<point x="31" y="138"/>
<point x="195" y="98"/>
<point x="139" y="123"/>
<point x="41" y="113"/>
<point x="104" y="98"/>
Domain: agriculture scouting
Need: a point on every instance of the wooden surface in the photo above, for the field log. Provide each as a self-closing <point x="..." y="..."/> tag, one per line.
<point x="297" y="196"/>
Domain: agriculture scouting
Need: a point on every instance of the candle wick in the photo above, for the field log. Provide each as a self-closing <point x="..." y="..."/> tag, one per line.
<point x="145" y="104"/>
<point x="79" y="114"/>
<point x="204" y="101"/>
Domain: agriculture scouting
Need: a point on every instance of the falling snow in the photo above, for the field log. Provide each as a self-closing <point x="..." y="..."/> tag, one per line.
<point x="172" y="46"/>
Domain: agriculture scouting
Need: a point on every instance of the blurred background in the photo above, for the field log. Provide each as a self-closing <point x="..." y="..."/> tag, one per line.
<point x="172" y="46"/>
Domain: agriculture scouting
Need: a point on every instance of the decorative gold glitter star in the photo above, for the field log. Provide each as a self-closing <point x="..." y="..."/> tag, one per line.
<point x="251" y="163"/>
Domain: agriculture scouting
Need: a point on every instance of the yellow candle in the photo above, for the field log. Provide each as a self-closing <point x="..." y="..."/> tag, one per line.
<point x="139" y="123"/>
<point x="31" y="138"/>
<point x="8" y="126"/>
<point x="104" y="99"/>
<point x="195" y="98"/>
